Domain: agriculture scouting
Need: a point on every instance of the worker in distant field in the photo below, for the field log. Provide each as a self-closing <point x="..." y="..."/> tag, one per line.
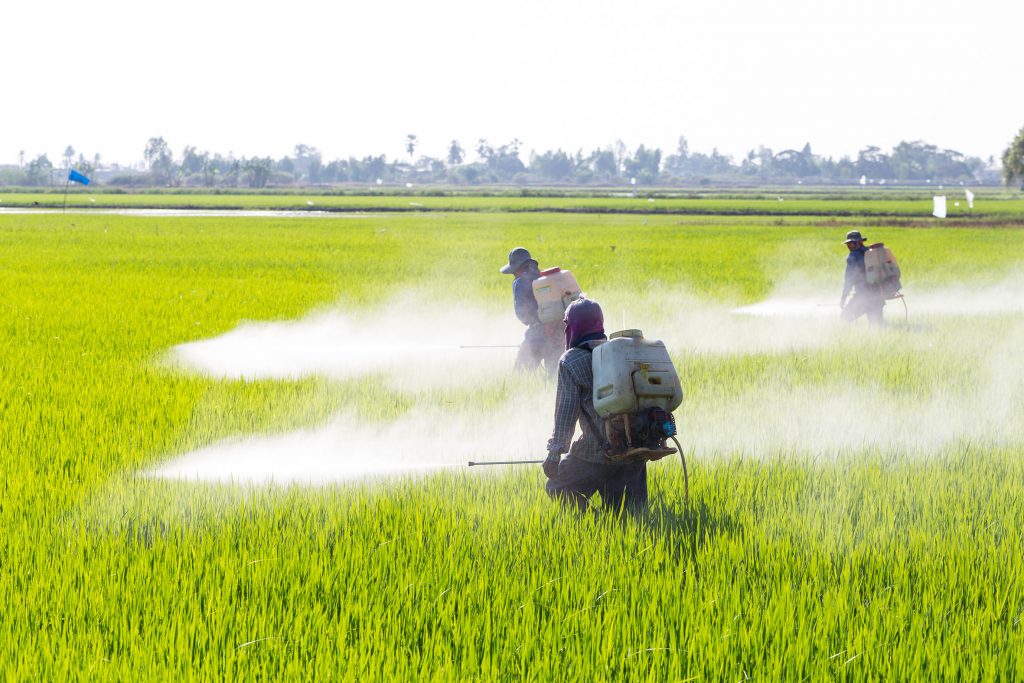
<point x="865" y="301"/>
<point x="587" y="469"/>
<point x="542" y="343"/>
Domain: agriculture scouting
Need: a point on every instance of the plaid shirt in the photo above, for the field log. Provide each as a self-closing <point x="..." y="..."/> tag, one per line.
<point x="574" y="402"/>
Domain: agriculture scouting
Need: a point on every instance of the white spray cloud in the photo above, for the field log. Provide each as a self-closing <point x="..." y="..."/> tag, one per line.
<point x="773" y="416"/>
<point x="415" y="345"/>
<point x="997" y="298"/>
<point x="424" y="440"/>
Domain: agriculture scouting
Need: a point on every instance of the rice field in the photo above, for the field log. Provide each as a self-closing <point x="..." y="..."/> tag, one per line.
<point x="909" y="203"/>
<point x="854" y="494"/>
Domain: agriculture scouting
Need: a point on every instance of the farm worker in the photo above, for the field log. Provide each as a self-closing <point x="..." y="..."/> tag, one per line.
<point x="541" y="343"/>
<point x="586" y="469"/>
<point x="865" y="301"/>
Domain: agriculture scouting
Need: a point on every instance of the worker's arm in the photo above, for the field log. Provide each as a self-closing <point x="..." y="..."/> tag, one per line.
<point x="849" y="278"/>
<point x="567" y="411"/>
<point x="524" y="301"/>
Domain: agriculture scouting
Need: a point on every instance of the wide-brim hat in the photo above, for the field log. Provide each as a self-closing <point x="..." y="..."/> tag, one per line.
<point x="516" y="258"/>
<point x="853" y="236"/>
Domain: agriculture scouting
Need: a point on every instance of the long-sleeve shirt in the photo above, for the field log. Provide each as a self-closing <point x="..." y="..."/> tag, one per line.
<point x="522" y="296"/>
<point x="574" y="402"/>
<point x="856" y="278"/>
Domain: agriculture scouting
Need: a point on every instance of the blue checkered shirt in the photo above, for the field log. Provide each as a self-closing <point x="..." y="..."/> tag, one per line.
<point x="574" y="402"/>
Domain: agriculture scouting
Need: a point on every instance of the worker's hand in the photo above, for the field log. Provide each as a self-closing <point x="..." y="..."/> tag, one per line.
<point x="842" y="302"/>
<point x="551" y="465"/>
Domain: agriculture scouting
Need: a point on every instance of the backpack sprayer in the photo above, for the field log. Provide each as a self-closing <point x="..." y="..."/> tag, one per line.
<point x="883" y="274"/>
<point x="554" y="290"/>
<point x="636" y="388"/>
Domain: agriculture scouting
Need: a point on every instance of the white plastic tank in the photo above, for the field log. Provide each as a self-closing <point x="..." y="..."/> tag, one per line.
<point x="632" y="374"/>
<point x="554" y="290"/>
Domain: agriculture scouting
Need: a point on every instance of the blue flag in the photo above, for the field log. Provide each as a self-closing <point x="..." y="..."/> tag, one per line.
<point x="77" y="177"/>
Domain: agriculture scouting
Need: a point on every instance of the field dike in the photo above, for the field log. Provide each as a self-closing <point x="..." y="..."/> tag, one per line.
<point x="762" y="412"/>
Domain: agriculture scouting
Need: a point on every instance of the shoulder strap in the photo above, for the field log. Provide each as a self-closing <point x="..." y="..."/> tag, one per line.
<point x="586" y="416"/>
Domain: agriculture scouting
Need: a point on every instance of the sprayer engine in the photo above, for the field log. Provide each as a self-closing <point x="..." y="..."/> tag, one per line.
<point x="642" y="436"/>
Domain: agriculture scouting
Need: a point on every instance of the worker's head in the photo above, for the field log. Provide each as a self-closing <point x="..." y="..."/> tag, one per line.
<point x="584" y="321"/>
<point x="854" y="240"/>
<point x="519" y="259"/>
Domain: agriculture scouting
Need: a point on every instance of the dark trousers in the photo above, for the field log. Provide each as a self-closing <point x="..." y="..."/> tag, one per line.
<point x="870" y="305"/>
<point x="619" y="485"/>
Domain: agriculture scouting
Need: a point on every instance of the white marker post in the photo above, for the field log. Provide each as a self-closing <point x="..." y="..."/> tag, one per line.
<point x="939" y="206"/>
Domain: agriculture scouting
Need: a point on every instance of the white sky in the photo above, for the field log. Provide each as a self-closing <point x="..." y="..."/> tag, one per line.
<point x="256" y="78"/>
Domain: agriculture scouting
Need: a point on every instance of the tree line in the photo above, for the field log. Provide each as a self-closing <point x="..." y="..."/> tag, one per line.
<point x="504" y="163"/>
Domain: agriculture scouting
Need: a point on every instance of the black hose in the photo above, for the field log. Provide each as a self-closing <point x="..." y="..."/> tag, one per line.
<point x="686" y="476"/>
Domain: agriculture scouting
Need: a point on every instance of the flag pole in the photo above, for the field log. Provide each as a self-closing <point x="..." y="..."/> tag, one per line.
<point x="66" y="183"/>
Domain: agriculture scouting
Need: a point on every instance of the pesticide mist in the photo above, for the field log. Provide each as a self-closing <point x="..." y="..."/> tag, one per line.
<point x="752" y="412"/>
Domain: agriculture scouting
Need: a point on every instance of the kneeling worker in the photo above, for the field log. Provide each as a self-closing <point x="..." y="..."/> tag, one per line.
<point x="586" y="469"/>
<point x="542" y="342"/>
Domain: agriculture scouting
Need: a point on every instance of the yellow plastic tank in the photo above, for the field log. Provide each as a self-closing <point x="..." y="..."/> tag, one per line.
<point x="554" y="290"/>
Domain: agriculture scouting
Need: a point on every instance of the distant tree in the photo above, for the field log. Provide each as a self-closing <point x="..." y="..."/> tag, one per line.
<point x="455" y="153"/>
<point x="159" y="159"/>
<point x="210" y="171"/>
<point x="336" y="171"/>
<point x="1013" y="159"/>
<point x="304" y="156"/>
<point x="285" y="165"/>
<point x="232" y="170"/>
<point x="436" y="166"/>
<point x="84" y="166"/>
<point x="621" y="154"/>
<point x="257" y="171"/>
<point x="21" y="158"/>
<point x="484" y="150"/>
<point x="553" y="165"/>
<point x="790" y="162"/>
<point x="410" y="145"/>
<point x="874" y="163"/>
<point x="604" y="164"/>
<point x="315" y="169"/>
<point x="919" y="161"/>
<point x="683" y="148"/>
<point x="469" y="174"/>
<point x="368" y="169"/>
<point x="40" y="171"/>
<point x="720" y="163"/>
<point x="675" y="164"/>
<point x="503" y="162"/>
<point x="645" y="165"/>
<point x="192" y="161"/>
<point x="69" y="154"/>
